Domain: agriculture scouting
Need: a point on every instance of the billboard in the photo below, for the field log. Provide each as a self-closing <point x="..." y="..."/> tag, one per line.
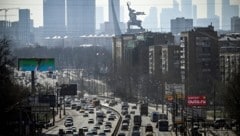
<point x="196" y="101"/>
<point x="50" y="99"/>
<point x="39" y="64"/>
<point x="68" y="89"/>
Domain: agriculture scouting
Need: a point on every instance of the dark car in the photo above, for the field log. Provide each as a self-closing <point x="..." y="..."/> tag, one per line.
<point x="219" y="123"/>
<point x="61" y="132"/>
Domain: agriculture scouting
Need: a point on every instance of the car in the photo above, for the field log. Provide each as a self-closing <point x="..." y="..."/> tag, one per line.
<point x="85" y="129"/>
<point x="97" y="126"/>
<point x="132" y="112"/>
<point x="74" y="129"/>
<point x="109" y="124"/>
<point x="102" y="134"/>
<point x="121" y="134"/>
<point x="136" y="133"/>
<point x="89" y="134"/>
<point x="61" y="132"/>
<point x="219" y="123"/>
<point x="107" y="129"/>
<point x="82" y="111"/>
<point x="68" y="131"/>
<point x="134" y="107"/>
<point x="111" y="117"/>
<point x="109" y="111"/>
<point x="136" y="128"/>
<point x="68" y="124"/>
<point x="85" y="114"/>
<point x="94" y="131"/>
<point x="90" y="121"/>
<point x="148" y="128"/>
<point x="81" y="132"/>
<point x="91" y="111"/>
<point x="128" y="116"/>
<point x="126" y="120"/>
<point x="124" y="112"/>
<point x="124" y="126"/>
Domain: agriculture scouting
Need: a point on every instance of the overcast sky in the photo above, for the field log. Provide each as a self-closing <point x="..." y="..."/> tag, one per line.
<point x="35" y="7"/>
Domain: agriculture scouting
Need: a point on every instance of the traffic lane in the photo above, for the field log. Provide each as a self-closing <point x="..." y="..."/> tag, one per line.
<point x="80" y="121"/>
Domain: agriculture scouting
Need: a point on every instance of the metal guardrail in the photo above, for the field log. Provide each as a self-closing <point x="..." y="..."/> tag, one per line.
<point x="115" y="132"/>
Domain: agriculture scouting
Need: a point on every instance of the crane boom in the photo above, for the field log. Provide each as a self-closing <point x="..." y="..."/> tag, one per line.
<point x="6" y="10"/>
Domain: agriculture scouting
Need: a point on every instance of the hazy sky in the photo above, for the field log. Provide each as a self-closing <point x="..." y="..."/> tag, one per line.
<point x="35" y="7"/>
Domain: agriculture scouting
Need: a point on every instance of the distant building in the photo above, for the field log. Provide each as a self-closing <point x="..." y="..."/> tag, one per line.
<point x="228" y="11"/>
<point x="54" y="18"/>
<point x="150" y="22"/>
<point x="203" y="22"/>
<point x="133" y="49"/>
<point x="229" y="56"/>
<point x="164" y="63"/>
<point x="99" y="17"/>
<point x="235" y="24"/>
<point x="179" y="25"/>
<point x="81" y="17"/>
<point x="210" y="9"/>
<point x="186" y="8"/>
<point x="24" y="26"/>
<point x="167" y="14"/>
<point x="199" y="60"/>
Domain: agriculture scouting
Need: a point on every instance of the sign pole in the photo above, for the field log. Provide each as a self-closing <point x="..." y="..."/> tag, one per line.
<point x="33" y="82"/>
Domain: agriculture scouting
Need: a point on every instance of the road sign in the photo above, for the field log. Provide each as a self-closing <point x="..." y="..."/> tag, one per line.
<point x="50" y="99"/>
<point x="68" y="89"/>
<point x="196" y="101"/>
<point x="39" y="64"/>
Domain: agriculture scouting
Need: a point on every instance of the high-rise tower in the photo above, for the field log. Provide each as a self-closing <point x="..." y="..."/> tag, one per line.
<point x="54" y="17"/>
<point x="81" y="17"/>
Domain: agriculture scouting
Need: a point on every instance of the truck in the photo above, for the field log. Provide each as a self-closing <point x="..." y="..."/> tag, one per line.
<point x="144" y="109"/>
<point x="137" y="120"/>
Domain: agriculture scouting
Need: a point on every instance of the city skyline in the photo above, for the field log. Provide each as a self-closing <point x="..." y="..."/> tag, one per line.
<point x="36" y="8"/>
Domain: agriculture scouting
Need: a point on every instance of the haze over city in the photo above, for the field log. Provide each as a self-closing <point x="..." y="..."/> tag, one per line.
<point x="36" y="7"/>
<point x="119" y="67"/>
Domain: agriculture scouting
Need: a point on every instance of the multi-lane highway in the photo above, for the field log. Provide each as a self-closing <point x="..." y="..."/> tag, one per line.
<point x="81" y="121"/>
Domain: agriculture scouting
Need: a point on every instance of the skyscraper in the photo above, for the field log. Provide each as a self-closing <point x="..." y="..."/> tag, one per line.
<point x="99" y="17"/>
<point x="228" y="11"/>
<point x="54" y="17"/>
<point x="186" y="8"/>
<point x="179" y="25"/>
<point x="167" y="14"/>
<point x="150" y="21"/>
<point x="24" y="26"/>
<point x="81" y="17"/>
<point x="235" y="24"/>
<point x="210" y="8"/>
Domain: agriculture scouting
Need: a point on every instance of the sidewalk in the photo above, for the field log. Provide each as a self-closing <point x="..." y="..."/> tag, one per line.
<point x="57" y="119"/>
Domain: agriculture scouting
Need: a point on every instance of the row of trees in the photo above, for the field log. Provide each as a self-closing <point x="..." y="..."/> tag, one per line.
<point x="11" y="94"/>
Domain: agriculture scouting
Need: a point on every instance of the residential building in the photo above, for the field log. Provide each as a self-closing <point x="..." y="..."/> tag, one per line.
<point x="199" y="57"/>
<point x="229" y="56"/>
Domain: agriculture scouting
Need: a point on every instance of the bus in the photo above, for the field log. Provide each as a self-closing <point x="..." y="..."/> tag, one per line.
<point x="162" y="125"/>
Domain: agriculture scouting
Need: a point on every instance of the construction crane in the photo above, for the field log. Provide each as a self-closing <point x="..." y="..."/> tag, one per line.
<point x="6" y="10"/>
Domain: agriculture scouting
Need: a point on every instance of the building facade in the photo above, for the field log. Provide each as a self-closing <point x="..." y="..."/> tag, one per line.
<point x="54" y="18"/>
<point x="81" y="17"/>
<point x="179" y="25"/>
<point x="235" y="24"/>
<point x="199" y="60"/>
<point x="229" y="56"/>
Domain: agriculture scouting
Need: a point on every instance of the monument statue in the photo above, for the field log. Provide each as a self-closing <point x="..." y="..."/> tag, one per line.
<point x="133" y="17"/>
